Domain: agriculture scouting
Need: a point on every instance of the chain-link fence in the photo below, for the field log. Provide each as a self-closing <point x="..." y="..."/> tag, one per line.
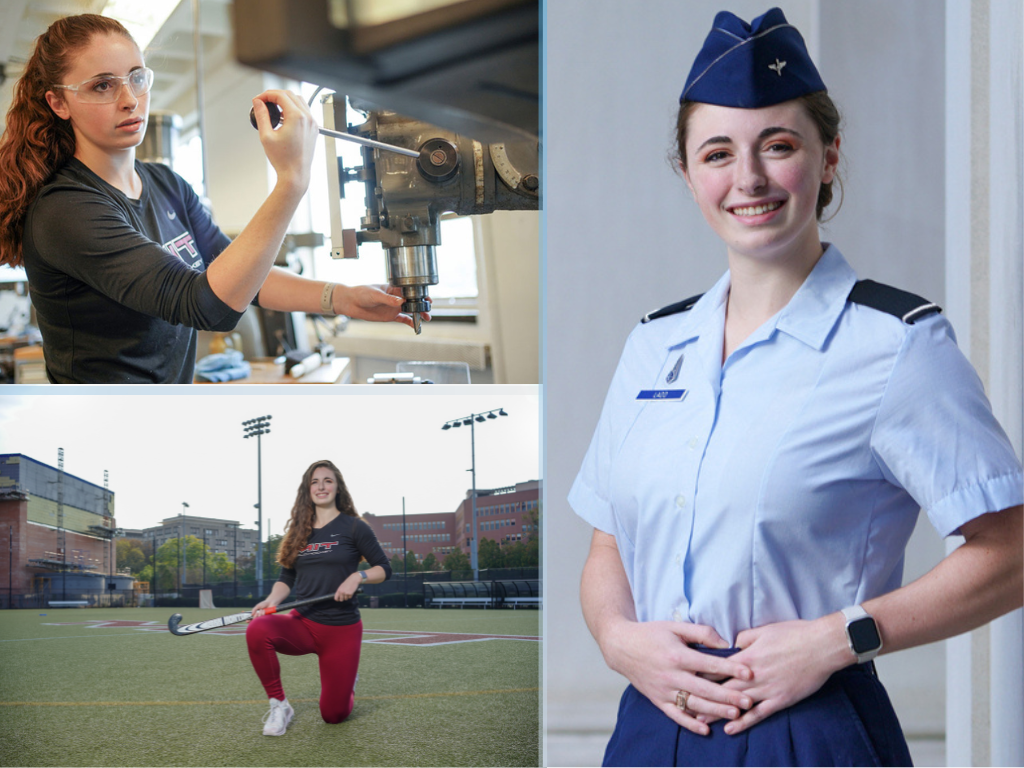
<point x="399" y="591"/>
<point x="78" y="598"/>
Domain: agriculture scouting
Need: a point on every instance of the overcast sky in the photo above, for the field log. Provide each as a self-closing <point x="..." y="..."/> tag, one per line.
<point x="164" y="449"/>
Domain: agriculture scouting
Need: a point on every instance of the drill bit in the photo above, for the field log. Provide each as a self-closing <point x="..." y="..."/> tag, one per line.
<point x="416" y="322"/>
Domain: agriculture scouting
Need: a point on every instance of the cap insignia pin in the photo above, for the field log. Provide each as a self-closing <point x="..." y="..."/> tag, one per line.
<point x="777" y="67"/>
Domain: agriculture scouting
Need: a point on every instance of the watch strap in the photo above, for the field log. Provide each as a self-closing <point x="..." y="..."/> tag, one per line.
<point x="855" y="612"/>
<point x="326" y="296"/>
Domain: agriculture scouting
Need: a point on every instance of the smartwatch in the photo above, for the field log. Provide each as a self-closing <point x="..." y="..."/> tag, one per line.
<point x="363" y="574"/>
<point x="862" y="633"/>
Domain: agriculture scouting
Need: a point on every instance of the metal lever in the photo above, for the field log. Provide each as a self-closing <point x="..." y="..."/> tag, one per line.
<point x="275" y="120"/>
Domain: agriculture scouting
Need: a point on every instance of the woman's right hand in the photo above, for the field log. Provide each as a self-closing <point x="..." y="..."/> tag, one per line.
<point x="259" y="608"/>
<point x="657" y="659"/>
<point x="290" y="147"/>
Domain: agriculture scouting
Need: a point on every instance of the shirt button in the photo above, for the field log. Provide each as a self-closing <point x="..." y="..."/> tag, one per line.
<point x="676" y="615"/>
<point x="693" y="443"/>
<point x="680" y="501"/>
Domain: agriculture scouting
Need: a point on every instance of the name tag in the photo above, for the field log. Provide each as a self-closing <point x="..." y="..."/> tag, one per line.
<point x="661" y="394"/>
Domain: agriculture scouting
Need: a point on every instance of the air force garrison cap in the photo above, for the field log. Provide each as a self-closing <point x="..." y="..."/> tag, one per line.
<point x="752" y="65"/>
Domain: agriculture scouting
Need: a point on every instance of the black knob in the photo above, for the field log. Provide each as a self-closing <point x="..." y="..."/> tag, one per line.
<point x="275" y="114"/>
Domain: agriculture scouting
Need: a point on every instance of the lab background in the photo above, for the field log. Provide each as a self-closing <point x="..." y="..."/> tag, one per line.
<point x="932" y="202"/>
<point x="466" y="73"/>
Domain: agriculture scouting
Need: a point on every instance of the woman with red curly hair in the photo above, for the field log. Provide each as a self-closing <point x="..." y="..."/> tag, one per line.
<point x="323" y="545"/>
<point x="124" y="263"/>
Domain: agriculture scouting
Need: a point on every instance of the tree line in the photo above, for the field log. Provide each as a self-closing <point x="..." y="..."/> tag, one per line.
<point x="201" y="564"/>
<point x="204" y="566"/>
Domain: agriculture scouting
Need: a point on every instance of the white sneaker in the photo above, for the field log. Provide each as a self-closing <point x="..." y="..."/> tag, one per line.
<point x="277" y="719"/>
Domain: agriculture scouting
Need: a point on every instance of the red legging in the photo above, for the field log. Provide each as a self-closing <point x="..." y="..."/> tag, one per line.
<point x="293" y="635"/>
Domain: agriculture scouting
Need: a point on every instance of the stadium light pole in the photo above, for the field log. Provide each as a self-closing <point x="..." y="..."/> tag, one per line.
<point x="183" y="548"/>
<point x="155" y="585"/>
<point x="471" y="421"/>
<point x="257" y="428"/>
<point x="61" y="536"/>
<point x="405" y="557"/>
<point x="235" y="569"/>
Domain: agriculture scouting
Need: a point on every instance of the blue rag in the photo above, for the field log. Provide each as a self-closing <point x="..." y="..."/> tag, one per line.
<point x="223" y="366"/>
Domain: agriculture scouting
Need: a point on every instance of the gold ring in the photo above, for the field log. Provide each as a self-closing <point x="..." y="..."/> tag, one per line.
<point x="682" y="698"/>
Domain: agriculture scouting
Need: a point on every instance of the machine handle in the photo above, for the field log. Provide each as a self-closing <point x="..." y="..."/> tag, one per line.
<point x="275" y="120"/>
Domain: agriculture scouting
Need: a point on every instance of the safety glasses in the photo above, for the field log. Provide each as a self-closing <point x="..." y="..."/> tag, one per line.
<point x="107" y="89"/>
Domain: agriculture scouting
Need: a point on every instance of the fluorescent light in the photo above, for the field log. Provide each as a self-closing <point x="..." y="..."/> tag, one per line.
<point x="143" y="20"/>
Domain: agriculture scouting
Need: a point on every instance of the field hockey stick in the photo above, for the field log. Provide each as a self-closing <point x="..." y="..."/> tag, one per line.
<point x="223" y="621"/>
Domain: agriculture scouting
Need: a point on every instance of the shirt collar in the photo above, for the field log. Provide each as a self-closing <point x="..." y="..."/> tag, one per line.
<point x="814" y="309"/>
<point x="808" y="317"/>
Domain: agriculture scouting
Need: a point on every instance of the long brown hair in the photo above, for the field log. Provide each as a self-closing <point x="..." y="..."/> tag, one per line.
<point x="819" y="107"/>
<point x="37" y="143"/>
<point x="296" y="533"/>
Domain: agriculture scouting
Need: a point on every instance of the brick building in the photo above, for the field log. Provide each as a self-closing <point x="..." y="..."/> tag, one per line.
<point x="59" y="530"/>
<point x="424" y="534"/>
<point x="505" y="515"/>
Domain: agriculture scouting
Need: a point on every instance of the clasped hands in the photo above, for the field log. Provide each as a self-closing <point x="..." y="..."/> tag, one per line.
<point x="777" y="666"/>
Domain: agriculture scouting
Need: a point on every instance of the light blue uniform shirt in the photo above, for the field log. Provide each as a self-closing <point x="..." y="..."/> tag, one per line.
<point x="785" y="483"/>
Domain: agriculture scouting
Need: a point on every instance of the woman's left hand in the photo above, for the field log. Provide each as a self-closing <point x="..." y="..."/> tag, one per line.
<point x="378" y="303"/>
<point x="348" y="587"/>
<point x="790" y="661"/>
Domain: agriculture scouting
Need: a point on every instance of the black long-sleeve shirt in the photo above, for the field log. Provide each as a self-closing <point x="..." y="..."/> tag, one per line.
<point x="119" y="285"/>
<point x="332" y="554"/>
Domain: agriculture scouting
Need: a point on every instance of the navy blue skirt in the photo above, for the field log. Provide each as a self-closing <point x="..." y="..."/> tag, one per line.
<point x="849" y="721"/>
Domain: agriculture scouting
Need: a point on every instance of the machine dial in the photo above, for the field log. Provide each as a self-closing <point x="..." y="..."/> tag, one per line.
<point x="516" y="164"/>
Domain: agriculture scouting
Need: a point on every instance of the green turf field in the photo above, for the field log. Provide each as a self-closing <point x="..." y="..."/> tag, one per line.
<point x="130" y="693"/>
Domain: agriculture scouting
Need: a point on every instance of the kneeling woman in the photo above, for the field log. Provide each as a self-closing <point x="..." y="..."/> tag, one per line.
<point x="323" y="545"/>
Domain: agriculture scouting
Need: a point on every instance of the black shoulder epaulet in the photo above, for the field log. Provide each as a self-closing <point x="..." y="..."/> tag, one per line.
<point x="908" y="307"/>
<point x="671" y="309"/>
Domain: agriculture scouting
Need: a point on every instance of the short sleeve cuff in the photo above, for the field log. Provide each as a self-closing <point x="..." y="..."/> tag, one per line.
<point x="591" y="507"/>
<point x="214" y="313"/>
<point x="972" y="501"/>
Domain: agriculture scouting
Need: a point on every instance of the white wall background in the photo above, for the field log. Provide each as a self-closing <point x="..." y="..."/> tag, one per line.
<point x="623" y="237"/>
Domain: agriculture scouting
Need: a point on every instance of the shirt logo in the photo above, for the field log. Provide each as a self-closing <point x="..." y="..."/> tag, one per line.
<point x="318" y="547"/>
<point x="184" y="247"/>
<point x="172" y="215"/>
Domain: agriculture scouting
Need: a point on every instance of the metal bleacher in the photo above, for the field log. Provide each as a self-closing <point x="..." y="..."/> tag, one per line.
<point x="484" y="594"/>
<point x="457" y="593"/>
<point x="524" y="592"/>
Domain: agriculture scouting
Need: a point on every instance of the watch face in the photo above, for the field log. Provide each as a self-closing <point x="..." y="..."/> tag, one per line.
<point x="864" y="635"/>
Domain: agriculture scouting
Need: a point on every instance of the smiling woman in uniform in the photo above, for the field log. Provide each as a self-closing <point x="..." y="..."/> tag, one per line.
<point x="124" y="263"/>
<point x="764" y="451"/>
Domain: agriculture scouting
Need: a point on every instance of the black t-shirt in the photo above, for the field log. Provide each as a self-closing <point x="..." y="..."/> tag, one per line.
<point x="119" y="285"/>
<point x="332" y="554"/>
